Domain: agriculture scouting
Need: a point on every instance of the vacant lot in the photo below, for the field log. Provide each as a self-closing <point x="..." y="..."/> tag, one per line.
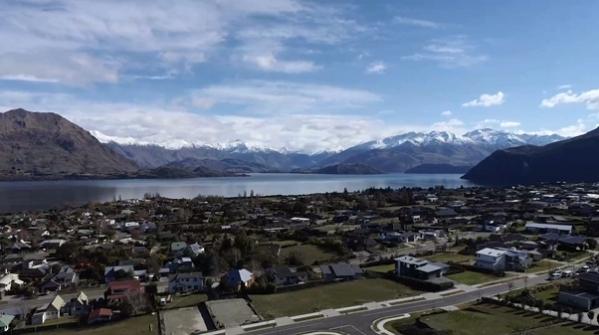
<point x="306" y="253"/>
<point x="472" y="277"/>
<point x="495" y="320"/>
<point x="134" y="326"/>
<point x="329" y="296"/>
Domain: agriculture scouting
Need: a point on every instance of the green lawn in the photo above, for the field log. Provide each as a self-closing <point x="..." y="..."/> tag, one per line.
<point x="307" y="254"/>
<point x="485" y="319"/>
<point x="450" y="256"/>
<point x="384" y="268"/>
<point x="133" y="326"/>
<point x="472" y="277"/>
<point x="542" y="265"/>
<point x="328" y="296"/>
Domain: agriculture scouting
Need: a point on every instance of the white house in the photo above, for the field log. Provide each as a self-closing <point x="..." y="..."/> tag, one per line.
<point x="8" y="280"/>
<point x="49" y="311"/>
<point x="490" y="259"/>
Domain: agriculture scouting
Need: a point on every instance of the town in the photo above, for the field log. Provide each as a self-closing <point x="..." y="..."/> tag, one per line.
<point x="182" y="266"/>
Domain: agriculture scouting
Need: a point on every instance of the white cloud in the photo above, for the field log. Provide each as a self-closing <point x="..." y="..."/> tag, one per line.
<point x="446" y="113"/>
<point x="416" y="22"/>
<point x="377" y="67"/>
<point x="509" y="124"/>
<point x="264" y="56"/>
<point x="589" y="98"/>
<point x="486" y="100"/>
<point x="564" y="87"/>
<point x="278" y="97"/>
<point x="451" y="52"/>
<point x="87" y="41"/>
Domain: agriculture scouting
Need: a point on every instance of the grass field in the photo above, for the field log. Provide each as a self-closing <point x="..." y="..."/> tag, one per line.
<point x="485" y="319"/>
<point x="449" y="256"/>
<point x="307" y="254"/>
<point x="494" y="320"/>
<point x="329" y="296"/>
<point x="134" y="326"/>
<point x="384" y="268"/>
<point x="472" y="278"/>
<point x="186" y="300"/>
<point x="543" y="265"/>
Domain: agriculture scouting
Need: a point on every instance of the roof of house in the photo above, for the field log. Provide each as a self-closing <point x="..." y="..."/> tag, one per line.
<point x="345" y="269"/>
<point x="239" y="276"/>
<point x="535" y="225"/>
<point x="491" y="252"/>
<point x="5" y="320"/>
<point x="100" y="312"/>
<point x="411" y="260"/>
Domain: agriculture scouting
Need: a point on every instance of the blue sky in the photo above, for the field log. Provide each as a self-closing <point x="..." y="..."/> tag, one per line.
<point x="301" y="75"/>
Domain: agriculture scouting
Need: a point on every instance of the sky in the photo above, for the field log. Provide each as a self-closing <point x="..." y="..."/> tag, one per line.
<point x="301" y="75"/>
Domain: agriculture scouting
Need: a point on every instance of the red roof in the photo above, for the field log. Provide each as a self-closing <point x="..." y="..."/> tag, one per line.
<point x="124" y="285"/>
<point x="100" y="312"/>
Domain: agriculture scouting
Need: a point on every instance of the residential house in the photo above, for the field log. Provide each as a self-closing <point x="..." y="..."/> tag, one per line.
<point x="238" y="278"/>
<point x="412" y="267"/>
<point x="9" y="280"/>
<point x="585" y="296"/>
<point x="286" y="276"/>
<point x="503" y="259"/>
<point x="78" y="306"/>
<point x="186" y="282"/>
<point x="340" y="271"/>
<point x="99" y="315"/>
<point x="112" y="273"/>
<point x="542" y="228"/>
<point x="123" y="290"/>
<point x="5" y="321"/>
<point x="49" y="311"/>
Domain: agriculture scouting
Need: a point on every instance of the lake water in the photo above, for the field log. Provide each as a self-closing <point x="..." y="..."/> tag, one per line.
<point x="39" y="195"/>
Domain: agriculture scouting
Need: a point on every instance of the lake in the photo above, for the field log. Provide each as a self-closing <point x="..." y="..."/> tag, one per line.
<point x="40" y="195"/>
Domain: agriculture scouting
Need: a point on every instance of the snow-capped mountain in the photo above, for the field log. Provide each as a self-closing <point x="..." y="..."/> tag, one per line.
<point x="392" y="154"/>
<point x="485" y="136"/>
<point x="401" y="152"/>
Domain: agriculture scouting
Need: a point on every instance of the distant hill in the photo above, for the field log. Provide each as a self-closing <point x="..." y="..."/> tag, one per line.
<point x="347" y="169"/>
<point x="438" y="169"/>
<point x="192" y="167"/>
<point x="48" y="146"/>
<point x="572" y="160"/>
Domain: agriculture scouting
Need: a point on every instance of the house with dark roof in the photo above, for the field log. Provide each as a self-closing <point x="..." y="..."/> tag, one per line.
<point x="340" y="271"/>
<point x="421" y="269"/>
<point x="186" y="282"/>
<point x="585" y="296"/>
<point x="286" y="276"/>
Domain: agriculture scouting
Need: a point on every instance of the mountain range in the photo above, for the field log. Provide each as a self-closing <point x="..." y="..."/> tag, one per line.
<point x="571" y="160"/>
<point x="47" y="146"/>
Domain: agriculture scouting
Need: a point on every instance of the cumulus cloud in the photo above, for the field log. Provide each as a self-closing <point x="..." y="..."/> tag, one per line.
<point x="409" y="21"/>
<point x="446" y="113"/>
<point x="486" y="100"/>
<point x="452" y="52"/>
<point x="377" y="67"/>
<point x="589" y="98"/>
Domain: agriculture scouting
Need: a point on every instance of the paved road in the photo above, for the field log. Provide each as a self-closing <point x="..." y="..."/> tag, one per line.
<point x="359" y="323"/>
